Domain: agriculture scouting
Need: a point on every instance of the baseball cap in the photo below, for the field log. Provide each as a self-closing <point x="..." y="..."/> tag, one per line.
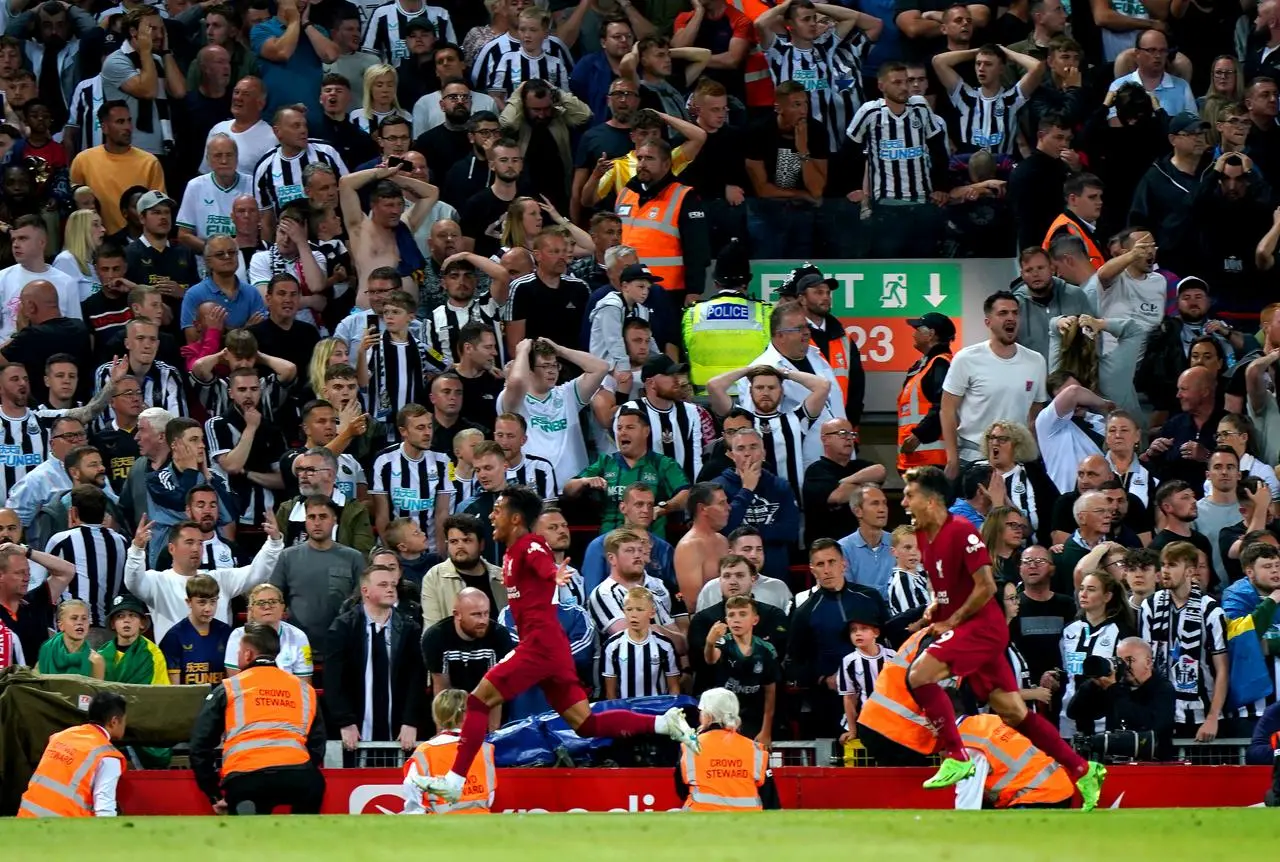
<point x="153" y="199"/>
<point x="126" y="603"/>
<point x="1186" y="122"/>
<point x="1193" y="282"/>
<point x="422" y="22"/>
<point x="638" y="272"/>
<point x="939" y="323"/>
<point x="803" y="278"/>
<point x="661" y="364"/>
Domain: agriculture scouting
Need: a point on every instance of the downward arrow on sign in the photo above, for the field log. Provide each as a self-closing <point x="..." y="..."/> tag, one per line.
<point x="935" y="295"/>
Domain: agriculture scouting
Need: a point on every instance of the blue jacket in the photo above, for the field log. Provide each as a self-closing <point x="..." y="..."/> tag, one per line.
<point x="590" y="82"/>
<point x="167" y="502"/>
<point x="819" y="630"/>
<point x="576" y="623"/>
<point x="1262" y="751"/>
<point x="1241" y="599"/>
<point x="595" y="568"/>
<point x="772" y="510"/>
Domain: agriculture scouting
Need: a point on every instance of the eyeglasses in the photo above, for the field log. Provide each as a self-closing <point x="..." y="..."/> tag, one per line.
<point x="1000" y="438"/>
<point x="307" y="471"/>
<point x="267" y="603"/>
<point x="1021" y="528"/>
<point x="222" y="255"/>
<point x="456" y="97"/>
<point x="397" y="139"/>
<point x="129" y="393"/>
<point x="1035" y="561"/>
<point x="1153" y="52"/>
<point x="71" y="435"/>
<point x="624" y="94"/>
<point x="804" y="328"/>
<point x="1223" y="435"/>
<point x="1237" y="121"/>
<point x="1224" y="73"/>
<point x="546" y="366"/>
<point x="840" y="434"/>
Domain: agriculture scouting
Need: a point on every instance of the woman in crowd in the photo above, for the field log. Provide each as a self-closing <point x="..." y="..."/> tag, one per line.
<point x="500" y="17"/>
<point x="1105" y="619"/>
<point x="1226" y="87"/>
<point x="1239" y="433"/>
<point x="1012" y="452"/>
<point x="380" y="99"/>
<point x="1037" y="696"/>
<point x="1122" y="438"/>
<point x="84" y="235"/>
<point x="524" y="221"/>
<point x="1208" y="352"/>
<point x="1004" y="532"/>
<point x="266" y="606"/>
<point x="328" y="351"/>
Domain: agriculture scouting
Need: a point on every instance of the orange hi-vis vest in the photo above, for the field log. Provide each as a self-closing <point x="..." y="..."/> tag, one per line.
<point x="268" y="718"/>
<point x="725" y="774"/>
<point x="1020" y="774"/>
<point x="837" y="357"/>
<point x="435" y="757"/>
<point x="62" y="785"/>
<point x="913" y="406"/>
<point x="1064" y="222"/>
<point x="653" y="230"/>
<point x="891" y="711"/>
<point x="755" y="66"/>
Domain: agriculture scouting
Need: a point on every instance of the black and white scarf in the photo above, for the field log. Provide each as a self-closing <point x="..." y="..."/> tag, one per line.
<point x="143" y="117"/>
<point x="420" y="360"/>
<point x="1177" y="637"/>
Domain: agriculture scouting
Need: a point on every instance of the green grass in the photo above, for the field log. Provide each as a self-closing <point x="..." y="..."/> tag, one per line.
<point x="1118" y="836"/>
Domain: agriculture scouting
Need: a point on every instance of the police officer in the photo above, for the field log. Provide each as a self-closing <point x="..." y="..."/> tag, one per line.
<point x="730" y="772"/>
<point x="80" y="767"/>
<point x="272" y="742"/>
<point x="728" y="329"/>
<point x="920" y="401"/>
<point x="827" y="333"/>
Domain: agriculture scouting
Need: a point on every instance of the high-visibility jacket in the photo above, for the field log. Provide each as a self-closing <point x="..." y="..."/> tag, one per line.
<point x="913" y="406"/>
<point x="435" y="757"/>
<point x="891" y="711"/>
<point x="1065" y="222"/>
<point x="755" y="66"/>
<point x="837" y="355"/>
<point x="62" y="785"/>
<point x="725" y="774"/>
<point x="724" y="333"/>
<point x="653" y="230"/>
<point x="268" y="718"/>
<point x="1020" y="774"/>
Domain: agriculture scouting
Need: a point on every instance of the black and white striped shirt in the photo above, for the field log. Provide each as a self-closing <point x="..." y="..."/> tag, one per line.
<point x="987" y="123"/>
<point x="85" y="102"/>
<point x="641" y="669"/>
<point x="23" y="447"/>
<point x="848" y="89"/>
<point x="385" y="31"/>
<point x="486" y="62"/>
<point x="215" y="395"/>
<point x="216" y="554"/>
<point x="277" y="179"/>
<point x="1184" y="641"/>
<point x="907" y="590"/>
<point x="412" y="486"/>
<point x="607" y="600"/>
<point x="512" y="70"/>
<point x="675" y="432"/>
<point x="161" y="387"/>
<point x="98" y="554"/>
<point x="815" y="68"/>
<point x="897" y="148"/>
<point x="222" y="434"/>
<point x="445" y="321"/>
<point x="858" y="672"/>
<point x="783" y="437"/>
<point x="539" y="474"/>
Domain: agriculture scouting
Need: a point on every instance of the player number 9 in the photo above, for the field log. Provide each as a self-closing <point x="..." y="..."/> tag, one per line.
<point x="880" y="348"/>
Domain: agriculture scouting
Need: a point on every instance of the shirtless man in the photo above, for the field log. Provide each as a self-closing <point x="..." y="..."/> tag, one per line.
<point x="698" y="553"/>
<point x="372" y="241"/>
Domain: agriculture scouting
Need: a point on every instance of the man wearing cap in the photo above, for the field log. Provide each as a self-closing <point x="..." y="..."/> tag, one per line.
<point x="615" y="308"/>
<point x="727" y="329"/>
<point x="1043" y="296"/>
<point x="416" y="73"/>
<point x="827" y="333"/>
<point x="155" y="261"/>
<point x="677" y="427"/>
<point x="1162" y="201"/>
<point x="920" y="401"/>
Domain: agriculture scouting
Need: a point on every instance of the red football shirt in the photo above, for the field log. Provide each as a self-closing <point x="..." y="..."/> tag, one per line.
<point x="529" y="574"/>
<point x="950" y="560"/>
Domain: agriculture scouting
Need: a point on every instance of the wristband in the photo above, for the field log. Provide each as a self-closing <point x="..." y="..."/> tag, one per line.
<point x="28" y="552"/>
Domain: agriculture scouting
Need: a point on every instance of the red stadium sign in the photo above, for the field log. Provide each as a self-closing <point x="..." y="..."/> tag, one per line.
<point x="542" y="791"/>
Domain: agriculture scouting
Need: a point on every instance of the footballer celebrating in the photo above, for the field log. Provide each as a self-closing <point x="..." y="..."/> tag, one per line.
<point x="967" y="638"/>
<point x="542" y="657"/>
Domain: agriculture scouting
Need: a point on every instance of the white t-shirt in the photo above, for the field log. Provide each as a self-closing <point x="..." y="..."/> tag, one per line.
<point x="16" y="277"/>
<point x="1063" y="445"/>
<point x="1140" y="300"/>
<point x="206" y="206"/>
<point x="427" y="114"/>
<point x="554" y="432"/>
<point x="295" y="650"/>
<point x="88" y="284"/>
<point x="993" y="389"/>
<point x="251" y="144"/>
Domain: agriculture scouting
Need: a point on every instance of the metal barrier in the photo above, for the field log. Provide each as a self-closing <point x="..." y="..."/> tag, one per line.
<point x="1218" y="752"/>
<point x="368" y="755"/>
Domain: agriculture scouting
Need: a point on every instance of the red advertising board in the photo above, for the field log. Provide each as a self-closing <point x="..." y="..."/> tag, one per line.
<point x="540" y="791"/>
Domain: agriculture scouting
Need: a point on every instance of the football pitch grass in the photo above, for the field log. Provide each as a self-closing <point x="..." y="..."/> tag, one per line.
<point x="1135" y="835"/>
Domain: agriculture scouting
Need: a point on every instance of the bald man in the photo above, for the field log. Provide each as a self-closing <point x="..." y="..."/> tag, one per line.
<point x="1095" y="474"/>
<point x="44" y="332"/>
<point x="460" y="649"/>
<point x="1182" y="450"/>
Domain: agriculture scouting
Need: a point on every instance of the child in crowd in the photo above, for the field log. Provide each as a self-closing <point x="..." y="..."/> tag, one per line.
<point x="68" y="651"/>
<point x="193" y="649"/>
<point x="462" y="472"/>
<point x="858" y="671"/>
<point x="638" y="661"/>
<point x="130" y="657"/>
<point x="393" y="365"/>
<point x="1141" y="574"/>
<point x="908" y="585"/>
<point x="406" y="539"/>
<point x="745" y="665"/>
<point x="532" y="61"/>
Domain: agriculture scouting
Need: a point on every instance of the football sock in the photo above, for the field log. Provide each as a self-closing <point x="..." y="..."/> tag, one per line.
<point x="937" y="708"/>
<point x="617" y="722"/>
<point x="475" y="724"/>
<point x="1045" y="737"/>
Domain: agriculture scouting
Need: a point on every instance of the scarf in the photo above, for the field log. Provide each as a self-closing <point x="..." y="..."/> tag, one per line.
<point x="132" y="664"/>
<point x="296" y="532"/>
<point x="144" y="119"/>
<point x="55" y="658"/>
<point x="388" y="372"/>
<point x="48" y="60"/>
<point x="1179" y="647"/>
<point x="281" y="266"/>
<point x="6" y="647"/>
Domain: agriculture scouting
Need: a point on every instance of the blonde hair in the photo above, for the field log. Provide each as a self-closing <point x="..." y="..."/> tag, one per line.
<point x="320" y="362"/>
<point x="264" y="588"/>
<point x="448" y="707"/>
<point x="1024" y="445"/>
<point x="640" y="594"/>
<point x="722" y="705"/>
<point x="900" y="534"/>
<point x="79" y="238"/>
<point x="465" y="436"/>
<point x="615" y="539"/>
<point x="68" y="604"/>
<point x="371" y="74"/>
<point x="513" y="234"/>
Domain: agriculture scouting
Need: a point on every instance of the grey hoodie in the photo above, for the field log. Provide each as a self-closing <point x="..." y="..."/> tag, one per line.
<point x="1067" y="301"/>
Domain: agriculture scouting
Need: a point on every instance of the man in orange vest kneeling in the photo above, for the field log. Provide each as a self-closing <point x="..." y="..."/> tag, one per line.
<point x="731" y="772"/>
<point x="272" y="741"/>
<point x="436" y="756"/>
<point x="1010" y="771"/>
<point x="80" y="767"/>
<point x="891" y="725"/>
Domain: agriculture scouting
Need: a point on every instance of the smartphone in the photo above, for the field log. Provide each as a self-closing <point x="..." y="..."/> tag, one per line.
<point x="397" y="162"/>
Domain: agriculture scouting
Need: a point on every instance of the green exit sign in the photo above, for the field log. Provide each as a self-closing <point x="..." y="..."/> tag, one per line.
<point x="873" y="289"/>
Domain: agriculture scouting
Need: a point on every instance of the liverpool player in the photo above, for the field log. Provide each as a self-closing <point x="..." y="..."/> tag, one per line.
<point x="542" y="657"/>
<point x="969" y="638"/>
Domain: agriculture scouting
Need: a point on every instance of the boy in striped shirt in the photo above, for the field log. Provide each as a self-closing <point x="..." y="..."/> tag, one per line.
<point x="858" y="671"/>
<point x="908" y="585"/>
<point x="746" y="666"/>
<point x="638" y="661"/>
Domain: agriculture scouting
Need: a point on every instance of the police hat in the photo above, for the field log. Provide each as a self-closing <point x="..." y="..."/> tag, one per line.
<point x="804" y="277"/>
<point x="733" y="266"/>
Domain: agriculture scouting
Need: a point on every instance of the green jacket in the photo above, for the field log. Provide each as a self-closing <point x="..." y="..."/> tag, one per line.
<point x="355" y="527"/>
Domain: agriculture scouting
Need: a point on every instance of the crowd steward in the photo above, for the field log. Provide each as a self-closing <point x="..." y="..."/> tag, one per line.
<point x="290" y="291"/>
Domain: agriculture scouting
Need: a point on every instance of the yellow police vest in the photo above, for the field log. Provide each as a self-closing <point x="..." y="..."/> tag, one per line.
<point x="724" y="333"/>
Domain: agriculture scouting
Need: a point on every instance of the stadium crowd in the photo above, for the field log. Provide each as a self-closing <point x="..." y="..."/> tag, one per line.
<point x="291" y="292"/>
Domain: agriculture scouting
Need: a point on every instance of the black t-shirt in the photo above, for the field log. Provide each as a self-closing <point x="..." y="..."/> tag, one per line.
<point x="1138" y="518"/>
<point x="105" y="316"/>
<point x="480" y="399"/>
<point x="465" y="662"/>
<point x="603" y="138"/>
<point x="33" y="345"/>
<point x="482" y="583"/>
<point x="31" y="627"/>
<point x="294" y="344"/>
<point x="544" y="167"/>
<point x="1037" y="631"/>
<point x="822" y="519"/>
<point x="119" y="450"/>
<point x="442" y="437"/>
<point x="777" y="149"/>
<point x="747" y="676"/>
<point x="482" y="218"/>
<point x="1168" y="537"/>
<point x="554" y="313"/>
<point x="442" y="147"/>
<point x="719" y="164"/>
<point x="175" y="263"/>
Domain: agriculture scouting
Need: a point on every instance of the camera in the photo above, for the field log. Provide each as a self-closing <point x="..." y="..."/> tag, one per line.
<point x="1096" y="666"/>
<point x="1117" y="746"/>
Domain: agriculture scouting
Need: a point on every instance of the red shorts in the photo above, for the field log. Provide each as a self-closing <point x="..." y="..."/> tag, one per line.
<point x="548" y="666"/>
<point x="976" y="652"/>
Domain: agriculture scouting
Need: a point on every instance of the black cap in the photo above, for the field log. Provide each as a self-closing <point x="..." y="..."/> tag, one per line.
<point x="1186" y="122"/>
<point x="862" y="618"/>
<point x="661" y="364"/>
<point x="126" y="603"/>
<point x="638" y="272"/>
<point x="804" y="277"/>
<point x="733" y="266"/>
<point x="939" y="323"/>
<point x="422" y="22"/>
